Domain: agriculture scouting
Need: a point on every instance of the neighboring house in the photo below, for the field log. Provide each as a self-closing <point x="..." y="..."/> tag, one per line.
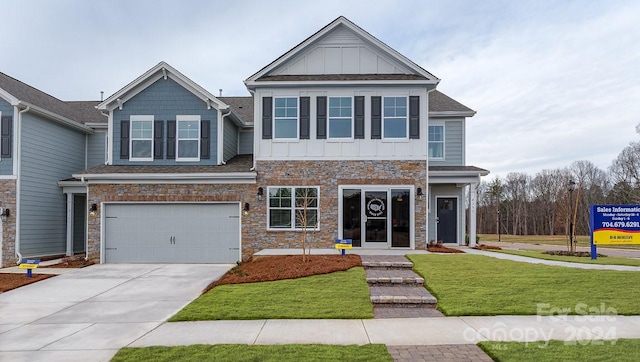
<point x="342" y="135"/>
<point x="44" y="140"/>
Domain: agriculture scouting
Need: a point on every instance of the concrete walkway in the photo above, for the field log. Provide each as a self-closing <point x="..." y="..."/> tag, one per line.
<point x="613" y="252"/>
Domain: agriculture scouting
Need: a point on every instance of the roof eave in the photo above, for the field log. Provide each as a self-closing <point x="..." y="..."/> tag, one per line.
<point x="324" y="83"/>
<point x="54" y="117"/>
<point x="207" y="177"/>
<point x="452" y="113"/>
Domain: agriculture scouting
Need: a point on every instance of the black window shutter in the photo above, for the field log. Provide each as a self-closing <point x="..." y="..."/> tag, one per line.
<point x="158" y="140"/>
<point x="171" y="140"/>
<point x="5" y="141"/>
<point x="205" y="139"/>
<point x="358" y="132"/>
<point x="305" y="117"/>
<point x="124" y="140"/>
<point x="414" y="117"/>
<point x="267" y="117"/>
<point x="376" y="118"/>
<point x="321" y="118"/>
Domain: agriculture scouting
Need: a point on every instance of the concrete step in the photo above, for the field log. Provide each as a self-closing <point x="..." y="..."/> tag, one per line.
<point x="387" y="265"/>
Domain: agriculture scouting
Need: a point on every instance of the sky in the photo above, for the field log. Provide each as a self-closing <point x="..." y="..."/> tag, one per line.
<point x="552" y="81"/>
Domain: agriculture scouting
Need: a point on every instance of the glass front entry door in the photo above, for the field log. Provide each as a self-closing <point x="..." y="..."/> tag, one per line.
<point x="375" y="218"/>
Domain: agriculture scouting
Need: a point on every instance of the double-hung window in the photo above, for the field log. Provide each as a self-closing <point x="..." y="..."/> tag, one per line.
<point x="285" y="118"/>
<point x="340" y="117"/>
<point x="436" y="141"/>
<point x="395" y="120"/>
<point x="293" y="208"/>
<point x="141" y="140"/>
<point x="188" y="138"/>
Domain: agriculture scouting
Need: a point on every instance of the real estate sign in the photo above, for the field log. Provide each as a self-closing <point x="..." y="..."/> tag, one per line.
<point x="615" y="224"/>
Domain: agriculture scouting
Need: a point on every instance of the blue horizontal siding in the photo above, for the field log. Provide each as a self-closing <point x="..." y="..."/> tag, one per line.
<point x="164" y="99"/>
<point x="453" y="143"/>
<point x="96" y="148"/>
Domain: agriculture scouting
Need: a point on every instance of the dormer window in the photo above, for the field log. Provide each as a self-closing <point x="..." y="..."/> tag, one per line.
<point x="395" y="120"/>
<point x="141" y="141"/>
<point x="340" y="117"/>
<point x="285" y="120"/>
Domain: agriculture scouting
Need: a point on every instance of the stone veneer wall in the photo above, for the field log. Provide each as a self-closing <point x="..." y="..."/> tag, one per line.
<point x="328" y="175"/>
<point x="8" y="200"/>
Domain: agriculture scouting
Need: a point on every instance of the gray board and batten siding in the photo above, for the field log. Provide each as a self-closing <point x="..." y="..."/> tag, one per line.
<point x="49" y="152"/>
<point x="165" y="99"/>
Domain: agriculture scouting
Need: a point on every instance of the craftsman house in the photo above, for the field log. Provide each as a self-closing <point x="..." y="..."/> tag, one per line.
<point x="342" y="136"/>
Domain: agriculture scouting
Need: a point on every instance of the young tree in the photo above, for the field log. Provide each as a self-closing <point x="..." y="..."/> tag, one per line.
<point x="306" y="209"/>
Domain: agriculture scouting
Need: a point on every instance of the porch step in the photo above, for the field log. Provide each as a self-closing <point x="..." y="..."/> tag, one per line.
<point x="382" y="277"/>
<point x="386" y="262"/>
<point x="402" y="297"/>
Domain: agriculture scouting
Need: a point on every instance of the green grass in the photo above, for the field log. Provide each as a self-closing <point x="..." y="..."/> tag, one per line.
<point x="581" y="240"/>
<point x="227" y="352"/>
<point x="480" y="285"/>
<point x="339" y="295"/>
<point x="572" y="259"/>
<point x="618" y="351"/>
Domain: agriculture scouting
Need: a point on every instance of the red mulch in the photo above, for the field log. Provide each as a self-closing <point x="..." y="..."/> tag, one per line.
<point x="10" y="281"/>
<point x="71" y="262"/>
<point x="443" y="249"/>
<point x="487" y="247"/>
<point x="270" y="268"/>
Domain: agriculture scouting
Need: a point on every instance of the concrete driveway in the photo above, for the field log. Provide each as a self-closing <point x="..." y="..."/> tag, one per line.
<point x="89" y="314"/>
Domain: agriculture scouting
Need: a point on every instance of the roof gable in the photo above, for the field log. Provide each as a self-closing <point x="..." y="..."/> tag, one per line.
<point x="161" y="70"/>
<point x="342" y="48"/>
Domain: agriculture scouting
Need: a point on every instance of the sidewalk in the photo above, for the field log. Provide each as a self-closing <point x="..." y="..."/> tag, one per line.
<point x="613" y="252"/>
<point x="395" y="332"/>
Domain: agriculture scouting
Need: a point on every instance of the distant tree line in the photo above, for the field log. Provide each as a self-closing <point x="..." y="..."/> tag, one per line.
<point x="543" y="204"/>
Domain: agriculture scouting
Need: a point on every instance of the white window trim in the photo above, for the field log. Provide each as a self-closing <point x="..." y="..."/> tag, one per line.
<point x="444" y="140"/>
<point x="187" y="118"/>
<point x="273" y="112"/>
<point x="352" y="118"/>
<point x="140" y="118"/>
<point x="293" y="209"/>
<point x="400" y="139"/>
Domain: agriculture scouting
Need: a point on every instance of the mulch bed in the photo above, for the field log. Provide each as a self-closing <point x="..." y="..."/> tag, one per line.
<point x="486" y="247"/>
<point x="10" y="281"/>
<point x="71" y="262"/>
<point x="581" y="254"/>
<point x="443" y="249"/>
<point x="271" y="268"/>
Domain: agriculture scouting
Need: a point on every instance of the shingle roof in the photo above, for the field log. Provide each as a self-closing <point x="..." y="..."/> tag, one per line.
<point x="242" y="163"/>
<point x="440" y="102"/>
<point x="36" y="97"/>
<point x="88" y="111"/>
<point x="242" y="106"/>
<point x="457" y="169"/>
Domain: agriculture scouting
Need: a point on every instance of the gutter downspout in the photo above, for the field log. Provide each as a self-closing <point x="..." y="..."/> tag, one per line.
<point x="253" y="96"/>
<point x="18" y="130"/>
<point x="86" y="221"/>
<point x="221" y="137"/>
<point x="426" y="169"/>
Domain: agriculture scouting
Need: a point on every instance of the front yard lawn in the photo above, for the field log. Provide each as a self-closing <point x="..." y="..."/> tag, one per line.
<point x="481" y="285"/>
<point x="339" y="295"/>
<point x="227" y="352"/>
<point x="572" y="259"/>
<point x="620" y="350"/>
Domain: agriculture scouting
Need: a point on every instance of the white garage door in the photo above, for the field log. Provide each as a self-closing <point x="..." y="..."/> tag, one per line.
<point x="172" y="233"/>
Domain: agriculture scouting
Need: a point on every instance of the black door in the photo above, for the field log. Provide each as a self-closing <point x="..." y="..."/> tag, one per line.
<point x="447" y="222"/>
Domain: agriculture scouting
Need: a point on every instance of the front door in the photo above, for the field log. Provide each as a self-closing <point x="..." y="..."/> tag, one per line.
<point x="377" y="217"/>
<point x="447" y="228"/>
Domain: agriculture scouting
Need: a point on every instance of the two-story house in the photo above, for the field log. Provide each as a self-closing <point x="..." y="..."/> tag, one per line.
<point x="342" y="136"/>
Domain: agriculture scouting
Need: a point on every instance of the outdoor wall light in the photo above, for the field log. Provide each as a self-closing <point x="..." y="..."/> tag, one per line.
<point x="5" y="214"/>
<point x="245" y="209"/>
<point x="419" y="193"/>
<point x="260" y="193"/>
<point x="93" y="209"/>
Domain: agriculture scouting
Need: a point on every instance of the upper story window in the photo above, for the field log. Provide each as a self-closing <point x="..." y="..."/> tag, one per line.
<point x="436" y="141"/>
<point x="141" y="140"/>
<point x="292" y="208"/>
<point x="340" y="117"/>
<point x="285" y="118"/>
<point x="395" y="120"/>
<point x="188" y="138"/>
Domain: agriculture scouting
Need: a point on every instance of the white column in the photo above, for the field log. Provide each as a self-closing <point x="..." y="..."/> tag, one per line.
<point x="472" y="213"/>
<point x="69" y="224"/>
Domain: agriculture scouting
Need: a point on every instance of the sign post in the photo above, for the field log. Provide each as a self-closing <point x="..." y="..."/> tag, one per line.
<point x="614" y="225"/>
<point x="344" y="244"/>
<point x="29" y="264"/>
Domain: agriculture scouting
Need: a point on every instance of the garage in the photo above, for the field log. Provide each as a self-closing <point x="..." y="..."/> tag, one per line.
<point x="172" y="233"/>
